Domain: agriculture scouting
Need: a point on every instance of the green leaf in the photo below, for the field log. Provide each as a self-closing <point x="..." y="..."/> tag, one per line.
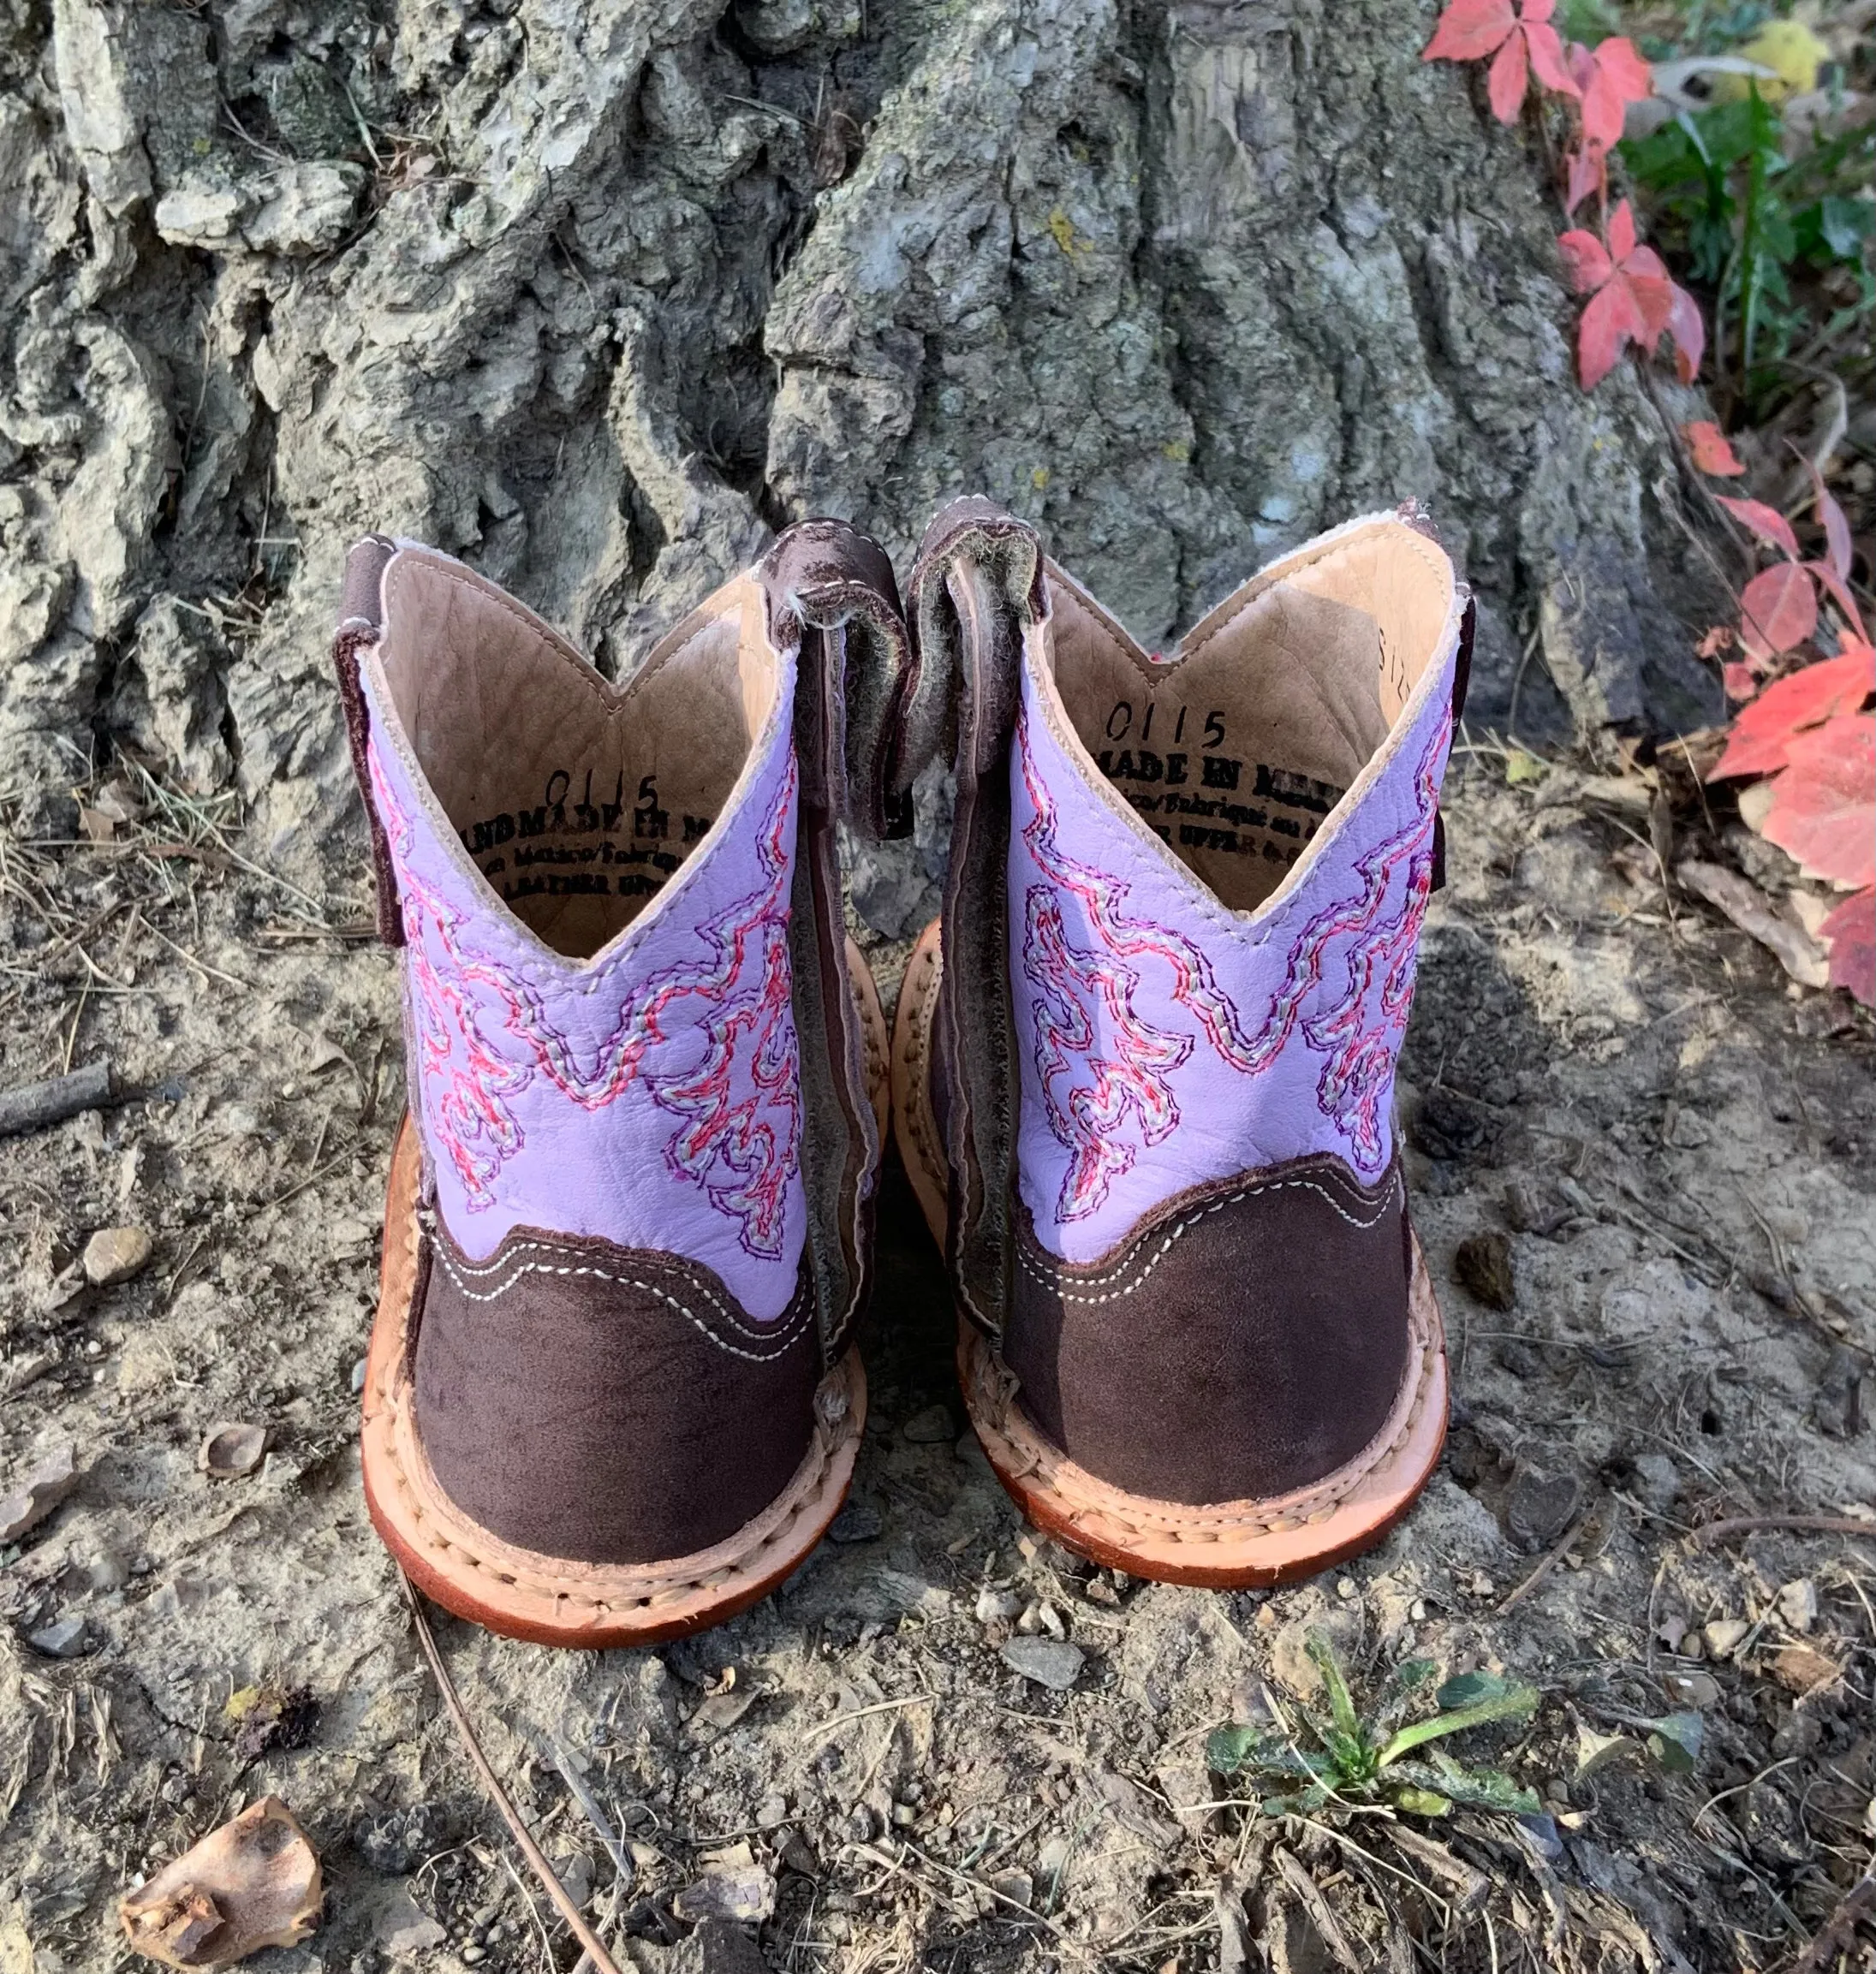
<point x="1674" y="1740"/>
<point x="1833" y="228"/>
<point x="1485" y="1789"/>
<point x="1228" y="1749"/>
<point x="1322" y="1655"/>
<point x="1468" y="1689"/>
<point x="1303" y="1805"/>
<point x="1511" y="1703"/>
<point x="1420" y="1802"/>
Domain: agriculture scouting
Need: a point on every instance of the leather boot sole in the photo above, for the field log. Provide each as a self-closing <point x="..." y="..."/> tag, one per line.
<point x="1225" y="1545"/>
<point x="549" y="1600"/>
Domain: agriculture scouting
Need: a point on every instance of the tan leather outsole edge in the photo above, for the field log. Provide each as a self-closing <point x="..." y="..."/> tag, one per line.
<point x="1228" y="1545"/>
<point x="548" y="1600"/>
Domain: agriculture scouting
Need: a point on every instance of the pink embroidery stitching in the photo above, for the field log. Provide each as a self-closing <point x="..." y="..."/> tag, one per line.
<point x="745" y="974"/>
<point x="1360" y="1033"/>
<point x="1132" y="1075"/>
<point x="470" y="1119"/>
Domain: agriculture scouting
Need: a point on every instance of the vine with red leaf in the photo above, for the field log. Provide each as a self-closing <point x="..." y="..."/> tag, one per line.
<point x="1805" y="734"/>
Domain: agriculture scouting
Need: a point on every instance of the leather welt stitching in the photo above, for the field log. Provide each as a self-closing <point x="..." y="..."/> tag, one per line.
<point x="1036" y="1275"/>
<point x="781" y="1341"/>
<point x="462" y="1272"/>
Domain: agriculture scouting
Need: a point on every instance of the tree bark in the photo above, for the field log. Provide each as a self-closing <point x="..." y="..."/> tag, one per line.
<point x="598" y="293"/>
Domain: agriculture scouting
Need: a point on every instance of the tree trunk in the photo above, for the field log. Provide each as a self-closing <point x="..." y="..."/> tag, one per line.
<point x="597" y="294"/>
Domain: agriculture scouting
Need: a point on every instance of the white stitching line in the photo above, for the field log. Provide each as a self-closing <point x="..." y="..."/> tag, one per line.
<point x="782" y="1340"/>
<point x="1035" y="1273"/>
<point x="463" y="1270"/>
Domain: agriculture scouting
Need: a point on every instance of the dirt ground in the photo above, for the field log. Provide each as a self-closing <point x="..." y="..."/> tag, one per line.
<point x="1678" y="1148"/>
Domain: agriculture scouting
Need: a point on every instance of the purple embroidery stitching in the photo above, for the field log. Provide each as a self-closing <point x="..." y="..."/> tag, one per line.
<point x="1354" y="1080"/>
<point x="756" y="1139"/>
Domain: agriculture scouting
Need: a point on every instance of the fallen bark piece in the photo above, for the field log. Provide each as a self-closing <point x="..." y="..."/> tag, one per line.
<point x="41" y="1491"/>
<point x="1747" y="906"/>
<point x="33" y="1106"/>
<point x="253" y="1883"/>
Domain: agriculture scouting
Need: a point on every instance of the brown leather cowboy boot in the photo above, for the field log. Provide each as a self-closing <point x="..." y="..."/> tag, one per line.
<point x="1143" y="1066"/>
<point x="611" y="1394"/>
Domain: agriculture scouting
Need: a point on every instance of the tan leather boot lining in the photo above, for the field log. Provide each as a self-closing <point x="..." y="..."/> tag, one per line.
<point x="576" y="800"/>
<point x="1234" y="748"/>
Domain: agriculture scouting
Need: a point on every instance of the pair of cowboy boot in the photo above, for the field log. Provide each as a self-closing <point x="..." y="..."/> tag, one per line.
<point x="1141" y="1072"/>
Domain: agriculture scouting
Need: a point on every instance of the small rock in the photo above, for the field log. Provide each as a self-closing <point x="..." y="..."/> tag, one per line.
<point x="1696" y="1689"/>
<point x="736" y="1889"/>
<point x="63" y="1640"/>
<point x="473" y="1955"/>
<point x="772" y="1812"/>
<point x="905" y="1815"/>
<point x="1724" y="1635"/>
<point x="42" y="1491"/>
<point x="418" y="1937"/>
<point x="1051" y="1662"/>
<point x="1050" y="1619"/>
<point x="1803" y="1669"/>
<point x="574" y="1872"/>
<point x="1018" y="1887"/>
<point x="797" y="1854"/>
<point x="396" y="1841"/>
<point x="1482" y="1267"/>
<point x="862" y="1826"/>
<point x="1837" y="1406"/>
<point x="1692" y="1646"/>
<point x="997" y="1607"/>
<point x="860" y="1521"/>
<point x="115" y="1254"/>
<point x="1798" y="1604"/>
<point x="1657" y="1482"/>
<point x="1517" y="1357"/>
<point x="358" y="1375"/>
<point x="1537" y="1507"/>
<point x="232" y="1450"/>
<point x="1098" y="1591"/>
<point x="932" y="1427"/>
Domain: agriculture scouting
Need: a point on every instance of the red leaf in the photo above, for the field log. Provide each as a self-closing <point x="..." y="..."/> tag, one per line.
<point x="1777" y="610"/>
<point x="1762" y="733"/>
<point x="1837" y="530"/>
<point x="1586" y="259"/>
<point x="1712" y="449"/>
<point x="1586" y="171"/>
<point x="1469" y="30"/>
<point x="1851" y="932"/>
<point x="1622" y="233"/>
<point x="1616" y="76"/>
<point x="1739" y="681"/>
<point x="1547" y="63"/>
<point x="1689" y="334"/>
<point x="1612" y="319"/>
<point x="1505" y="80"/>
<point x="1654" y="292"/>
<point x="1823" y="805"/>
<point x="1767" y="523"/>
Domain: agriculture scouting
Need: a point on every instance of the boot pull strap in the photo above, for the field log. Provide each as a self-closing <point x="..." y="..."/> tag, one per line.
<point x="831" y="597"/>
<point x="832" y="579"/>
<point x="1416" y="517"/>
<point x="976" y="588"/>
<point x="361" y="623"/>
